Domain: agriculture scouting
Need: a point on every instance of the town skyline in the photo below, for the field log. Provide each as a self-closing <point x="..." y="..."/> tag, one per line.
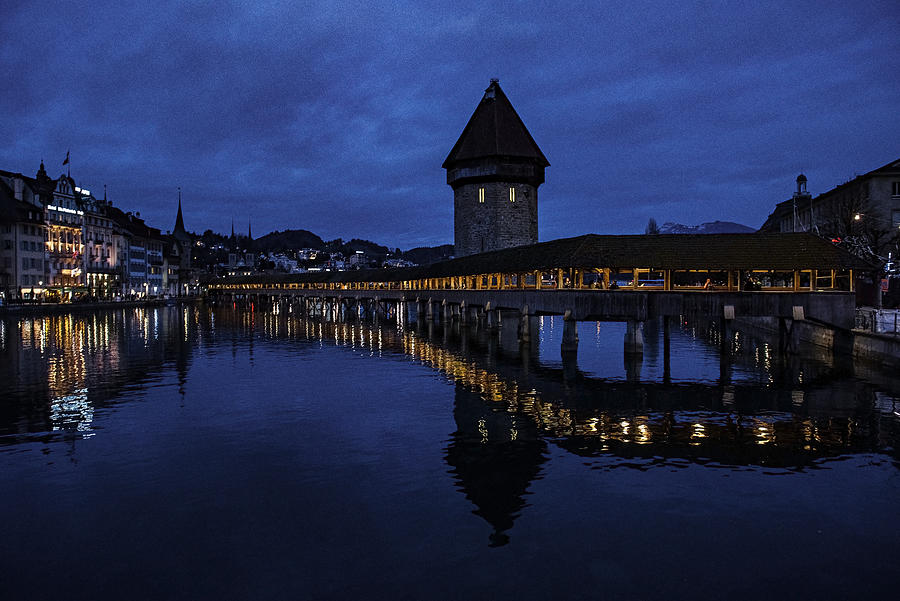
<point x="312" y="119"/>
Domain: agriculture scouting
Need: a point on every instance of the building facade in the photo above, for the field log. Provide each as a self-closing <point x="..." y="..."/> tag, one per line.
<point x="23" y="256"/>
<point x="100" y="249"/>
<point x="65" y="229"/>
<point x="864" y="211"/>
<point x="495" y="169"/>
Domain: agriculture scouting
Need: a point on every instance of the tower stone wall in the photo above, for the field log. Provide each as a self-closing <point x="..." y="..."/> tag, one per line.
<point x="497" y="222"/>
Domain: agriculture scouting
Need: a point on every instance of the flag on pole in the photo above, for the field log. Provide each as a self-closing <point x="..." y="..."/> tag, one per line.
<point x="66" y="162"/>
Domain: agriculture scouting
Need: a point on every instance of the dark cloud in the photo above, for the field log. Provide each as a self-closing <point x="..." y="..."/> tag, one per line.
<point x="336" y="117"/>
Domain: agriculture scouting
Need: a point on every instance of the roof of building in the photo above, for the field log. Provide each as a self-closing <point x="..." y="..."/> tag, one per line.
<point x="663" y="251"/>
<point x="7" y="203"/>
<point x="495" y="129"/>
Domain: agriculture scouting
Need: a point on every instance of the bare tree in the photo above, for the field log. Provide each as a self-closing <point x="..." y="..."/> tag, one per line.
<point x="854" y="222"/>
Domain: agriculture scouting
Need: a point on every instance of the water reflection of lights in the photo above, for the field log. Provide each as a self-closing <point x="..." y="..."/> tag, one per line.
<point x="764" y="431"/>
<point x="698" y="430"/>
<point x="482" y="429"/>
<point x="643" y="435"/>
<point x="72" y="411"/>
<point x="688" y="428"/>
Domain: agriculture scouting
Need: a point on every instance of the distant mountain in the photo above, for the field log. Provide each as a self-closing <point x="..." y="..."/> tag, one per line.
<point x="370" y="248"/>
<point x="711" y="227"/>
<point x="425" y="255"/>
<point x="288" y="239"/>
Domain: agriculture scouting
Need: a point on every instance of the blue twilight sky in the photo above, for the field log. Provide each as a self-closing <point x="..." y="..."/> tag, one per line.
<point x="336" y="117"/>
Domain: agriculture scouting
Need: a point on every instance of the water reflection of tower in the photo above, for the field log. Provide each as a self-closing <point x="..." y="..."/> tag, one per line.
<point x="494" y="456"/>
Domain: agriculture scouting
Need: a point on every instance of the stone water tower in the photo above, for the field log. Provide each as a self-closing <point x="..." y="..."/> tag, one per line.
<point x="495" y="169"/>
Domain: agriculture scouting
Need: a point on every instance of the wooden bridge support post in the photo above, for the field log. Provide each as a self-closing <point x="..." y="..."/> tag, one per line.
<point x="420" y="310"/>
<point x="725" y="335"/>
<point x="446" y="312"/>
<point x="633" y="364"/>
<point x="463" y="318"/>
<point x="525" y="326"/>
<point x="376" y="309"/>
<point x="490" y="317"/>
<point x="634" y="337"/>
<point x="429" y="309"/>
<point x="667" y="350"/>
<point x="569" y="366"/>
<point x="570" y="334"/>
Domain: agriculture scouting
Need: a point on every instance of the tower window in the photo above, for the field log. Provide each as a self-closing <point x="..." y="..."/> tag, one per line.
<point x="512" y="195"/>
<point x="895" y="189"/>
<point x="481" y="195"/>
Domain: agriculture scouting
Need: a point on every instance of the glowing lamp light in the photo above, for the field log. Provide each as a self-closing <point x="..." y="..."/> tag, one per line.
<point x="857" y="217"/>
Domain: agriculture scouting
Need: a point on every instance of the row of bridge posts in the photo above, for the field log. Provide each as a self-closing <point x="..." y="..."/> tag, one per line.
<point x="490" y="318"/>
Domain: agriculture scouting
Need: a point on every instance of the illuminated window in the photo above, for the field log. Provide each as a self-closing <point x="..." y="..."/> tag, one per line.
<point x="481" y="195"/>
<point x="512" y="195"/>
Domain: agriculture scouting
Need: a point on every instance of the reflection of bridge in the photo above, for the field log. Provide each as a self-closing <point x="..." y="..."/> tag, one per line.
<point x="509" y="410"/>
<point x="607" y="278"/>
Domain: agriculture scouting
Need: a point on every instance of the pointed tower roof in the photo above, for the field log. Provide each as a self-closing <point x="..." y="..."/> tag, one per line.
<point x="179" y="233"/>
<point x="495" y="129"/>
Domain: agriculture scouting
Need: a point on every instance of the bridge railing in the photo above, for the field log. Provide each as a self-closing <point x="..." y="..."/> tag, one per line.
<point x="643" y="279"/>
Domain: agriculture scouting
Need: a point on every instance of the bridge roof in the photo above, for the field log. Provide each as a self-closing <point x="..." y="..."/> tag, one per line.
<point x="664" y="251"/>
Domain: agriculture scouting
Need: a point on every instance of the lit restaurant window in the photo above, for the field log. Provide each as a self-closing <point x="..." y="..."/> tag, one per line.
<point x="512" y="195"/>
<point x="481" y="195"/>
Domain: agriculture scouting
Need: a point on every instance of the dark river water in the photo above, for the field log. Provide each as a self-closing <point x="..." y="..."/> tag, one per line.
<point x="189" y="453"/>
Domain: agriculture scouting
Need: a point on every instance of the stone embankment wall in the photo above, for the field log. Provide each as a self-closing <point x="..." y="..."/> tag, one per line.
<point x="880" y="349"/>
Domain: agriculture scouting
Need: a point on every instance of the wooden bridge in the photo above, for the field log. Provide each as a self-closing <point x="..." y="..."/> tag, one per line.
<point x="606" y="278"/>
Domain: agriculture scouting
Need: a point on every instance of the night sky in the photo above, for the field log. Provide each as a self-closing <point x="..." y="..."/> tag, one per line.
<point x="336" y="118"/>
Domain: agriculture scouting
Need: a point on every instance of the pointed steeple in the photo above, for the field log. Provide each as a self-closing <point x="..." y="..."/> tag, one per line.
<point x="495" y="130"/>
<point x="45" y="185"/>
<point x="179" y="233"/>
<point x="249" y="236"/>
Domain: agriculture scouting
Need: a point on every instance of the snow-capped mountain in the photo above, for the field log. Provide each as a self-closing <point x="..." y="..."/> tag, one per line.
<point x="711" y="227"/>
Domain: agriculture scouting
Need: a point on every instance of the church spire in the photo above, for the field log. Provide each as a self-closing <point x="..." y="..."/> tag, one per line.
<point x="179" y="232"/>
